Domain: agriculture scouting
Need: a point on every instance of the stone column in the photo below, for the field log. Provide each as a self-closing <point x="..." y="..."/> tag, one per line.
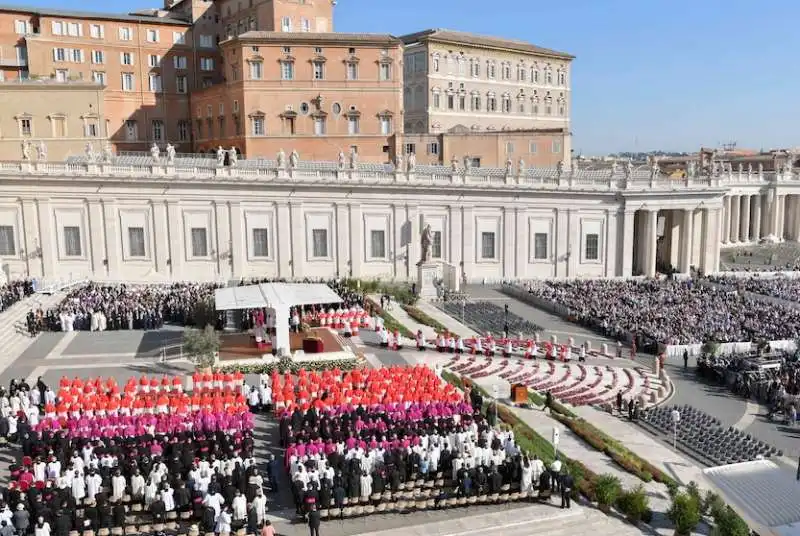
<point x="177" y="238"/>
<point x="299" y="244"/>
<point x="781" y="216"/>
<point x="686" y="240"/>
<point x="626" y="267"/>
<point x="757" y="200"/>
<point x="744" y="228"/>
<point x="238" y="242"/>
<point x="712" y="220"/>
<point x="736" y="206"/>
<point x="789" y="218"/>
<point x="726" y="215"/>
<point x="652" y="242"/>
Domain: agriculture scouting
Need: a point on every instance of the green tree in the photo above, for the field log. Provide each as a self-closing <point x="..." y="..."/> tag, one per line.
<point x="684" y="512"/>
<point x="201" y="345"/>
<point x="728" y="523"/>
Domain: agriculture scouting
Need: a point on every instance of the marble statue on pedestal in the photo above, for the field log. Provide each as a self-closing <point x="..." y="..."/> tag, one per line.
<point x="281" y="159"/>
<point x="691" y="168"/>
<point x="521" y="168"/>
<point x="614" y="167"/>
<point x="88" y="150"/>
<point x="749" y="169"/>
<point x="108" y="152"/>
<point x="233" y="156"/>
<point x="220" y="156"/>
<point x="411" y="163"/>
<point x="294" y="158"/>
<point x="41" y="152"/>
<point x="454" y="163"/>
<point x="628" y="169"/>
<point x="26" y="150"/>
<point x="353" y="158"/>
<point x="155" y="153"/>
<point x="342" y="160"/>
<point x="560" y="168"/>
<point x="509" y="166"/>
<point x="398" y="162"/>
<point x="170" y="150"/>
<point x="426" y="243"/>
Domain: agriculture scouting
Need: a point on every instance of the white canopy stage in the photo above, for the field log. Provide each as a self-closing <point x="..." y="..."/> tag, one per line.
<point x="278" y="297"/>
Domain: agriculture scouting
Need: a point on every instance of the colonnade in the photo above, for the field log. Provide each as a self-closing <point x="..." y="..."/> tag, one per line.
<point x="748" y="218"/>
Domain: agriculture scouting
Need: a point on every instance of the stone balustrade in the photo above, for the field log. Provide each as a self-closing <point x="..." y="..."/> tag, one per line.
<point x="374" y="174"/>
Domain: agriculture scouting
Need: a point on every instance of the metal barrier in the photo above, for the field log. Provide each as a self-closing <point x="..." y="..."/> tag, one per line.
<point x="51" y="286"/>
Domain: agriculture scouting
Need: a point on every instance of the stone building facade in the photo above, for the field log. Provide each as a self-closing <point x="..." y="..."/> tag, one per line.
<point x="319" y="93"/>
<point x="192" y="220"/>
<point x="457" y="81"/>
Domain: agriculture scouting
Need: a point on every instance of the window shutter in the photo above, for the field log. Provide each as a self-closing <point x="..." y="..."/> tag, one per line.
<point x="82" y="56"/>
<point x="55" y="54"/>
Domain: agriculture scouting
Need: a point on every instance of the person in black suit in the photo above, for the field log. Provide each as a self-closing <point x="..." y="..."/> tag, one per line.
<point x="314" y="520"/>
<point x="567" y="483"/>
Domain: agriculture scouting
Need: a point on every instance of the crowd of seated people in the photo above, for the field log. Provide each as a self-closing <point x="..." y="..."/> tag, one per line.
<point x="395" y="439"/>
<point x="101" y="457"/>
<point x="97" y="307"/>
<point x="784" y="288"/>
<point x="670" y="311"/>
<point x="14" y="291"/>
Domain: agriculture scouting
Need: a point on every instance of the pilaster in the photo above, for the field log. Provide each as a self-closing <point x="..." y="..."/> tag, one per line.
<point x="113" y="247"/>
<point x="757" y="201"/>
<point x="468" y="250"/>
<point x="399" y="243"/>
<point x="687" y="234"/>
<point x="563" y="249"/>
<point x="299" y="239"/>
<point x="356" y="239"/>
<point x="574" y="241"/>
<point x="285" y="237"/>
<point x="455" y="243"/>
<point x="736" y="205"/>
<point x="726" y="224"/>
<point x="413" y="249"/>
<point x="509" y="241"/>
<point x="781" y="216"/>
<point x="160" y="237"/>
<point x="238" y="242"/>
<point x="625" y="269"/>
<point x="224" y="244"/>
<point x="522" y="241"/>
<point x="652" y="242"/>
<point x="48" y="237"/>
<point x="97" y="239"/>
<point x="342" y="236"/>
<point x="31" y="237"/>
<point x="176" y="228"/>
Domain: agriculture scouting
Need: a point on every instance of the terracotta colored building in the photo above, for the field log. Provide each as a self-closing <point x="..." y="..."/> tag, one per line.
<point x="318" y="94"/>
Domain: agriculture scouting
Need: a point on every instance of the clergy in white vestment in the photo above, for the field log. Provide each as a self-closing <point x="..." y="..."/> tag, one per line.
<point x="94" y="483"/>
<point x="78" y="488"/>
<point x="137" y="485"/>
<point x="117" y="486"/>
<point x="215" y="501"/>
<point x="260" y="504"/>
<point x="239" y="507"/>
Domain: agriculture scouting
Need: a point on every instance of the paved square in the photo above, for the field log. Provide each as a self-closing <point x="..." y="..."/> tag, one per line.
<point x="124" y="342"/>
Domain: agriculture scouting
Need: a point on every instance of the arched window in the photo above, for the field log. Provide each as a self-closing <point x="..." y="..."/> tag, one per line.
<point x="436" y="98"/>
<point x="548" y="105"/>
<point x="535" y="104"/>
<point x="548" y="75"/>
<point x="491" y="102"/>
<point x="562" y="106"/>
<point x="562" y="77"/>
<point x="534" y="74"/>
<point x="506" y="103"/>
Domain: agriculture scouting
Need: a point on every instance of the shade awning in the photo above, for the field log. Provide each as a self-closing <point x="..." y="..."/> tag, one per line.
<point x="274" y="295"/>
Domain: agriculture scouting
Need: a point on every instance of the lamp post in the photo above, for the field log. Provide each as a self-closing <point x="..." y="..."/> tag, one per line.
<point x="676" y="418"/>
<point x="505" y="320"/>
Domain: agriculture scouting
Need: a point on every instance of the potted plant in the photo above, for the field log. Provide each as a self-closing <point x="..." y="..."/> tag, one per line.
<point x="634" y="504"/>
<point x="728" y="523"/>
<point x="607" y="489"/>
<point x="684" y="512"/>
<point x="202" y="346"/>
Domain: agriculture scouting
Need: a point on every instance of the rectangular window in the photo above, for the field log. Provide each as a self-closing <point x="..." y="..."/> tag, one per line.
<point x="592" y="252"/>
<point x="436" y="100"/>
<point x="199" y="242"/>
<point x="26" y="127"/>
<point x="90" y="130"/>
<point x="433" y="148"/>
<point x="179" y="38"/>
<point x="286" y="24"/>
<point x="158" y="130"/>
<point x="352" y="125"/>
<point x="487" y="246"/>
<point x="127" y="82"/>
<point x="411" y="148"/>
<point x="256" y="70"/>
<point x="556" y="147"/>
<point x="258" y="126"/>
<point x="99" y="77"/>
<point x="136" y="246"/>
<point x="74" y="29"/>
<point x="131" y="131"/>
<point x="59" y="54"/>
<point x="179" y="62"/>
<point x="287" y="70"/>
<point x="152" y="36"/>
<point x="154" y="60"/>
<point x="509" y="147"/>
<point x="377" y="244"/>
<point x="59" y="127"/>
<point x="96" y="31"/>
<point x="352" y="71"/>
<point x="21" y="27"/>
<point x="98" y="56"/>
<point x="77" y="55"/>
<point x="57" y="27"/>
<point x="319" y="70"/>
<point x="180" y="84"/>
<point x="260" y="243"/>
<point x="540" y="246"/>
<point x="319" y="126"/>
<point x="436" y="245"/>
<point x="125" y="34"/>
<point x="7" y="246"/>
<point x="155" y="83"/>
<point x="533" y="148"/>
<point x="385" y="72"/>
<point x="207" y="41"/>
<point x="183" y="130"/>
<point x="450" y="102"/>
<point x="319" y="243"/>
<point x="126" y="58"/>
<point x="206" y="64"/>
<point x="305" y="25"/>
<point x="386" y="126"/>
<point x="72" y="242"/>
